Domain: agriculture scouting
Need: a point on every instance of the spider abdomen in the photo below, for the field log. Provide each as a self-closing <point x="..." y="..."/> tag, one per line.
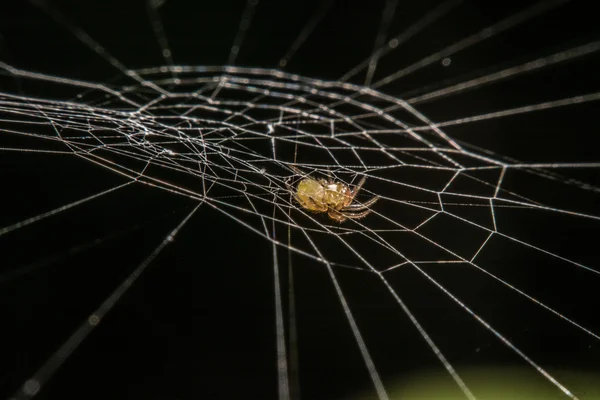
<point x="334" y="198"/>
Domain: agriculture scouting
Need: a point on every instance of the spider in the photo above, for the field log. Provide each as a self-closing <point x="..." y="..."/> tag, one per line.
<point x="334" y="198"/>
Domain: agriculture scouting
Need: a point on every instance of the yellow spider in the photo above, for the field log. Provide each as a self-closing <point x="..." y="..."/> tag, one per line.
<point x="334" y="198"/>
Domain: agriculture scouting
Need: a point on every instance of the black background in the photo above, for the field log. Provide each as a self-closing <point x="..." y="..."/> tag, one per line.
<point x="200" y="321"/>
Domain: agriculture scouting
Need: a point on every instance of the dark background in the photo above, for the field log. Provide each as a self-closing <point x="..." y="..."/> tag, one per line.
<point x="200" y="322"/>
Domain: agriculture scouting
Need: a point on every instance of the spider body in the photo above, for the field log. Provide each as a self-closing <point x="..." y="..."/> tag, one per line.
<point x="334" y="198"/>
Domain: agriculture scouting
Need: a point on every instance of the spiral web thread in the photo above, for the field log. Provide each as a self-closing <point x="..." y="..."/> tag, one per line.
<point x="233" y="138"/>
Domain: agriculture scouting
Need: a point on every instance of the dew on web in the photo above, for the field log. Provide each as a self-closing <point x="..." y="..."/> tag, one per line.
<point x="151" y="235"/>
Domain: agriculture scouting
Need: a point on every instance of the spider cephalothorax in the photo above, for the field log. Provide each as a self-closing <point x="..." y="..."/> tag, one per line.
<point x="334" y="198"/>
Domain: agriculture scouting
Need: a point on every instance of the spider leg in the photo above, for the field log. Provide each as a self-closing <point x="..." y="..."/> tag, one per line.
<point x="361" y="206"/>
<point x="353" y="215"/>
<point x="356" y="189"/>
<point x="336" y="215"/>
<point x="297" y="171"/>
<point x="329" y="175"/>
<point x="289" y="185"/>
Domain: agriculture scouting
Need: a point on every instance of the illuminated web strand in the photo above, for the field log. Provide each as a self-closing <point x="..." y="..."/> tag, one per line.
<point x="507" y="73"/>
<point x="36" y="382"/>
<point x="310" y="26"/>
<point x="490" y="274"/>
<point x="501" y="280"/>
<point x="519" y="110"/>
<point x="226" y="159"/>
<point x="386" y="19"/>
<point x="282" y="359"/>
<point x="245" y="22"/>
<point x="379" y="112"/>
<point x="402" y="38"/>
<point x="33" y="75"/>
<point x="372" y="370"/>
<point x="74" y="250"/>
<point x="507" y="23"/>
<point x="375" y="378"/>
<point x="477" y="317"/>
<point x="539" y="369"/>
<point x="152" y="7"/>
<point x="58" y="210"/>
<point x="501" y="26"/>
<point x="504" y="282"/>
<point x="498" y="76"/>
<point x="358" y="337"/>
<point x="360" y="341"/>
<point x="92" y="44"/>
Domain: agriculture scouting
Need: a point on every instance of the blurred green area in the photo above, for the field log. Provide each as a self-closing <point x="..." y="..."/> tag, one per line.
<point x="495" y="383"/>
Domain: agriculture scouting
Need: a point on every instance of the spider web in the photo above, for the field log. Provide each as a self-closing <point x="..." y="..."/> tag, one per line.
<point x="457" y="266"/>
